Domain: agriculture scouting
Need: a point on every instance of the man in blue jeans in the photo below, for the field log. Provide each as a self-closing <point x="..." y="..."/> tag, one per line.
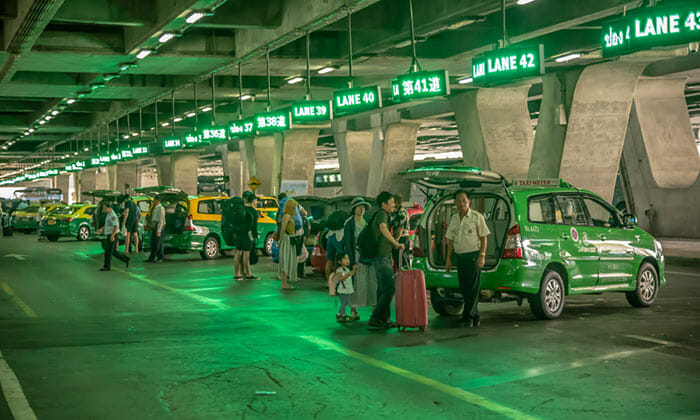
<point x="381" y="317"/>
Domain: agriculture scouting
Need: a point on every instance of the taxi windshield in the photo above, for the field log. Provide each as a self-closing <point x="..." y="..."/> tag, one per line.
<point x="31" y="209"/>
<point x="65" y="210"/>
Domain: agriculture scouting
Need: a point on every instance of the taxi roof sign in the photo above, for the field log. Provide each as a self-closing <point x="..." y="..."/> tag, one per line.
<point x="545" y="182"/>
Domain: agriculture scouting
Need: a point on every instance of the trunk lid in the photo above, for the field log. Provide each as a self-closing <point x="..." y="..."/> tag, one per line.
<point x="452" y="177"/>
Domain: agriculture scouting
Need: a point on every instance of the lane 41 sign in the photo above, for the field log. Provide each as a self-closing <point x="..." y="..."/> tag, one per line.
<point x="422" y="84"/>
<point x="507" y="64"/>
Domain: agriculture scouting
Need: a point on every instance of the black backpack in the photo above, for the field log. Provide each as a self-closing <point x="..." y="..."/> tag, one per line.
<point x="368" y="242"/>
<point x="234" y="219"/>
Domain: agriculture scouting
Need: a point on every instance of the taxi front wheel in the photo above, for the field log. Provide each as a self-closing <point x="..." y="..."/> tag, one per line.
<point x="647" y="287"/>
<point x="549" y="302"/>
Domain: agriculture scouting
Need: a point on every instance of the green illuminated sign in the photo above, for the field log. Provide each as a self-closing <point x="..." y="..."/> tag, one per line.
<point x="211" y="134"/>
<point x="507" y="64"/>
<point x="272" y="122"/>
<point x="242" y="128"/>
<point x="350" y="101"/>
<point x="104" y="159"/>
<point x="172" y="143"/>
<point x="51" y="172"/>
<point x="395" y="90"/>
<point x="311" y="111"/>
<point x="115" y="156"/>
<point x="126" y="154"/>
<point x="94" y="161"/>
<point x="139" y="150"/>
<point x="194" y="139"/>
<point x="650" y="27"/>
<point x="422" y="84"/>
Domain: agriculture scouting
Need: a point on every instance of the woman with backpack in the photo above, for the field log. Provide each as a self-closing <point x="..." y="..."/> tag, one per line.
<point x="288" y="252"/>
<point x="365" y="281"/>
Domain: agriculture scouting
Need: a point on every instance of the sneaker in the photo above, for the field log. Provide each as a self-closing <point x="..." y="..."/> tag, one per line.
<point x="104" y="269"/>
<point x="476" y="322"/>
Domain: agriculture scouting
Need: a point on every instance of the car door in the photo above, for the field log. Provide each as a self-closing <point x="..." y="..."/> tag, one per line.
<point x="614" y="243"/>
<point x="578" y="253"/>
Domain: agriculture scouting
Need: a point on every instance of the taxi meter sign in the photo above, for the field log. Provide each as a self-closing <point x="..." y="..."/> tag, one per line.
<point x="254" y="183"/>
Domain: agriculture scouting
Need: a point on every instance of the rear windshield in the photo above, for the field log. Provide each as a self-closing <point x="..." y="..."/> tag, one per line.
<point x="144" y="205"/>
<point x="65" y="210"/>
<point x="32" y="209"/>
<point x="266" y="203"/>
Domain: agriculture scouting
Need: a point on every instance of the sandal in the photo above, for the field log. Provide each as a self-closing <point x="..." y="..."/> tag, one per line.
<point x="238" y="278"/>
<point x="347" y="318"/>
<point x="289" y="287"/>
<point x="252" y="278"/>
<point x="338" y="318"/>
<point x="355" y="317"/>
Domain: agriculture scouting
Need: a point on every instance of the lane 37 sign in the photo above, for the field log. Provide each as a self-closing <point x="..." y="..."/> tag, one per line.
<point x="507" y="64"/>
<point x="651" y="27"/>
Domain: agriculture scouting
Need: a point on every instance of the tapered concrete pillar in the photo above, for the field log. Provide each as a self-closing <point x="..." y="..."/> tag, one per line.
<point x="597" y="126"/>
<point x="557" y="94"/>
<point x="267" y="154"/>
<point x="127" y="174"/>
<point x="299" y="157"/>
<point x="62" y="182"/>
<point x="354" y="151"/>
<point x="111" y="177"/>
<point x="179" y="169"/>
<point x="148" y="177"/>
<point x="495" y="129"/>
<point x="661" y="162"/>
<point x="102" y="179"/>
<point x="86" y="181"/>
<point x="399" y="151"/>
<point x="233" y="168"/>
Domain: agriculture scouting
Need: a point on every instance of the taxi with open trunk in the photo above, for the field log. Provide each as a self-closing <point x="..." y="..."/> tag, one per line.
<point x="548" y="240"/>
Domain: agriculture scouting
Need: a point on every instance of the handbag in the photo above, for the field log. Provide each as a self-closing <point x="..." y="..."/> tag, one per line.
<point x="253" y="256"/>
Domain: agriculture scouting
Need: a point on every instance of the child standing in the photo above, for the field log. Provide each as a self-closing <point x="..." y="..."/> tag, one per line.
<point x="343" y="278"/>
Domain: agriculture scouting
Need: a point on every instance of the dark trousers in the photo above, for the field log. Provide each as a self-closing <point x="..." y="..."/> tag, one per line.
<point x="111" y="249"/>
<point x="469" y="283"/>
<point x="385" y="289"/>
<point x="157" y="252"/>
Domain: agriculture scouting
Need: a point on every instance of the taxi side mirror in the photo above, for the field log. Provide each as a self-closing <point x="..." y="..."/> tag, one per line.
<point x="629" y="219"/>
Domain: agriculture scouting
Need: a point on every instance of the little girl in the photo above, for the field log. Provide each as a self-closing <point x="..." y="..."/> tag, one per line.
<point x="343" y="278"/>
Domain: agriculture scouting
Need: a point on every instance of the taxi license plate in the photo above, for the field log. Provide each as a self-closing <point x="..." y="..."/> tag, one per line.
<point x="52" y="222"/>
<point x="168" y="237"/>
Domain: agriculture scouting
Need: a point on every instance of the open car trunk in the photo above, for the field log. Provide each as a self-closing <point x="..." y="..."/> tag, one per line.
<point x="488" y="195"/>
<point x="105" y="196"/>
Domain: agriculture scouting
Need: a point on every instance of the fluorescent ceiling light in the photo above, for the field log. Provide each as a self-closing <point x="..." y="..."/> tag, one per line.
<point x="166" y="37"/>
<point x="42" y="122"/>
<point x="465" y="80"/>
<point x="165" y="124"/>
<point x="125" y="136"/>
<point x="326" y="69"/>
<point x="86" y="149"/>
<point x="31" y="130"/>
<point x="178" y="119"/>
<point x="190" y="114"/>
<point x="521" y="2"/>
<point x="195" y="16"/>
<point x="143" y="54"/>
<point x="294" y="80"/>
<point x="134" y="134"/>
<point x="48" y="117"/>
<point x="26" y="133"/>
<point x="54" y="112"/>
<point x="70" y="101"/>
<point x="75" y="153"/>
<point x="206" y="109"/>
<point x="245" y="97"/>
<point x="568" y="57"/>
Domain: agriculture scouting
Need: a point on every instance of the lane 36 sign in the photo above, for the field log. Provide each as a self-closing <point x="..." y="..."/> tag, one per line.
<point x="507" y="64"/>
<point x="651" y="27"/>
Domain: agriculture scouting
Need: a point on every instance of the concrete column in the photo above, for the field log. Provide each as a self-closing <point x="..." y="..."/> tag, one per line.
<point x="399" y="151"/>
<point x="354" y="149"/>
<point x="233" y="168"/>
<point x="557" y="94"/>
<point x="179" y="169"/>
<point x="62" y="182"/>
<point x="495" y="129"/>
<point x="102" y="179"/>
<point x="597" y="125"/>
<point x="127" y="173"/>
<point x="112" y="177"/>
<point x="86" y="181"/>
<point x="267" y="153"/>
<point x="664" y="212"/>
<point x="148" y="178"/>
<point x="299" y="157"/>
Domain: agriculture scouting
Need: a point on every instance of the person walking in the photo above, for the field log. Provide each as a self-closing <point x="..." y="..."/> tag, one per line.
<point x="157" y="226"/>
<point x="111" y="228"/>
<point x="288" y="252"/>
<point x="130" y="220"/>
<point x="466" y="236"/>
<point x="365" y="281"/>
<point x="401" y="231"/>
<point x="381" y="316"/>
<point x="250" y="203"/>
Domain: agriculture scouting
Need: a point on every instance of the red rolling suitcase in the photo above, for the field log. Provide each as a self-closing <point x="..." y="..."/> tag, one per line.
<point x="411" y="301"/>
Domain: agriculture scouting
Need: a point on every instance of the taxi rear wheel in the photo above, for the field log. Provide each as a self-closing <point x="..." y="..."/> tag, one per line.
<point x="647" y="287"/>
<point x="52" y="238"/>
<point x="549" y="302"/>
<point x="267" y="247"/>
<point x="211" y="249"/>
<point x="445" y="306"/>
<point x="83" y="233"/>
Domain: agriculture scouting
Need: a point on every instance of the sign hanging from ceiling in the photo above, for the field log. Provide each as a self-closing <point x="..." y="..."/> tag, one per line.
<point x="650" y="27"/>
<point x="193" y="139"/>
<point x="507" y="64"/>
<point x="271" y="122"/>
<point x="422" y="84"/>
<point x="214" y="134"/>
<point x="242" y="128"/>
<point x="139" y="150"/>
<point x="172" y="143"/>
<point x="351" y="101"/>
<point x="311" y="112"/>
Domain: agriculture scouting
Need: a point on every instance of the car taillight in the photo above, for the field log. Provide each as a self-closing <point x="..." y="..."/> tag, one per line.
<point x="513" y="248"/>
<point x="417" y="250"/>
<point x="70" y="219"/>
<point x="189" y="226"/>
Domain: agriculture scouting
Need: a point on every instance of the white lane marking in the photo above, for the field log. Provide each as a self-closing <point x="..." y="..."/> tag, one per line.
<point x="19" y="406"/>
<point x="682" y="273"/>
<point x="208" y="289"/>
<point x="660" y="341"/>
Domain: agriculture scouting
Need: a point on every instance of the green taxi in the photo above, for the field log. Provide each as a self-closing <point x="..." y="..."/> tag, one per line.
<point x="113" y="197"/>
<point x="72" y="221"/>
<point x="25" y="220"/>
<point x="193" y="223"/>
<point x="548" y="240"/>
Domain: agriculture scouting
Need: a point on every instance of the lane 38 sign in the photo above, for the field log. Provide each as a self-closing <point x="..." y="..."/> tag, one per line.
<point x="507" y="64"/>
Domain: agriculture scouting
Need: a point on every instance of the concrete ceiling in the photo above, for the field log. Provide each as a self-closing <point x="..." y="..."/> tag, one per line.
<point x="54" y="49"/>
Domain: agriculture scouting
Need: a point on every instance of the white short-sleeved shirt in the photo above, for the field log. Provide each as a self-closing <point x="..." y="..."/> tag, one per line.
<point x="467" y="231"/>
<point x="344" y="287"/>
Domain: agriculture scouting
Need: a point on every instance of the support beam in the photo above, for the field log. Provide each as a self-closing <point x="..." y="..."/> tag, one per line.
<point x="179" y="170"/>
<point x="299" y="157"/>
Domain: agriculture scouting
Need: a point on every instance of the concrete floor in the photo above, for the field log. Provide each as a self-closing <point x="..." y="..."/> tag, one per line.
<point x="183" y="340"/>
